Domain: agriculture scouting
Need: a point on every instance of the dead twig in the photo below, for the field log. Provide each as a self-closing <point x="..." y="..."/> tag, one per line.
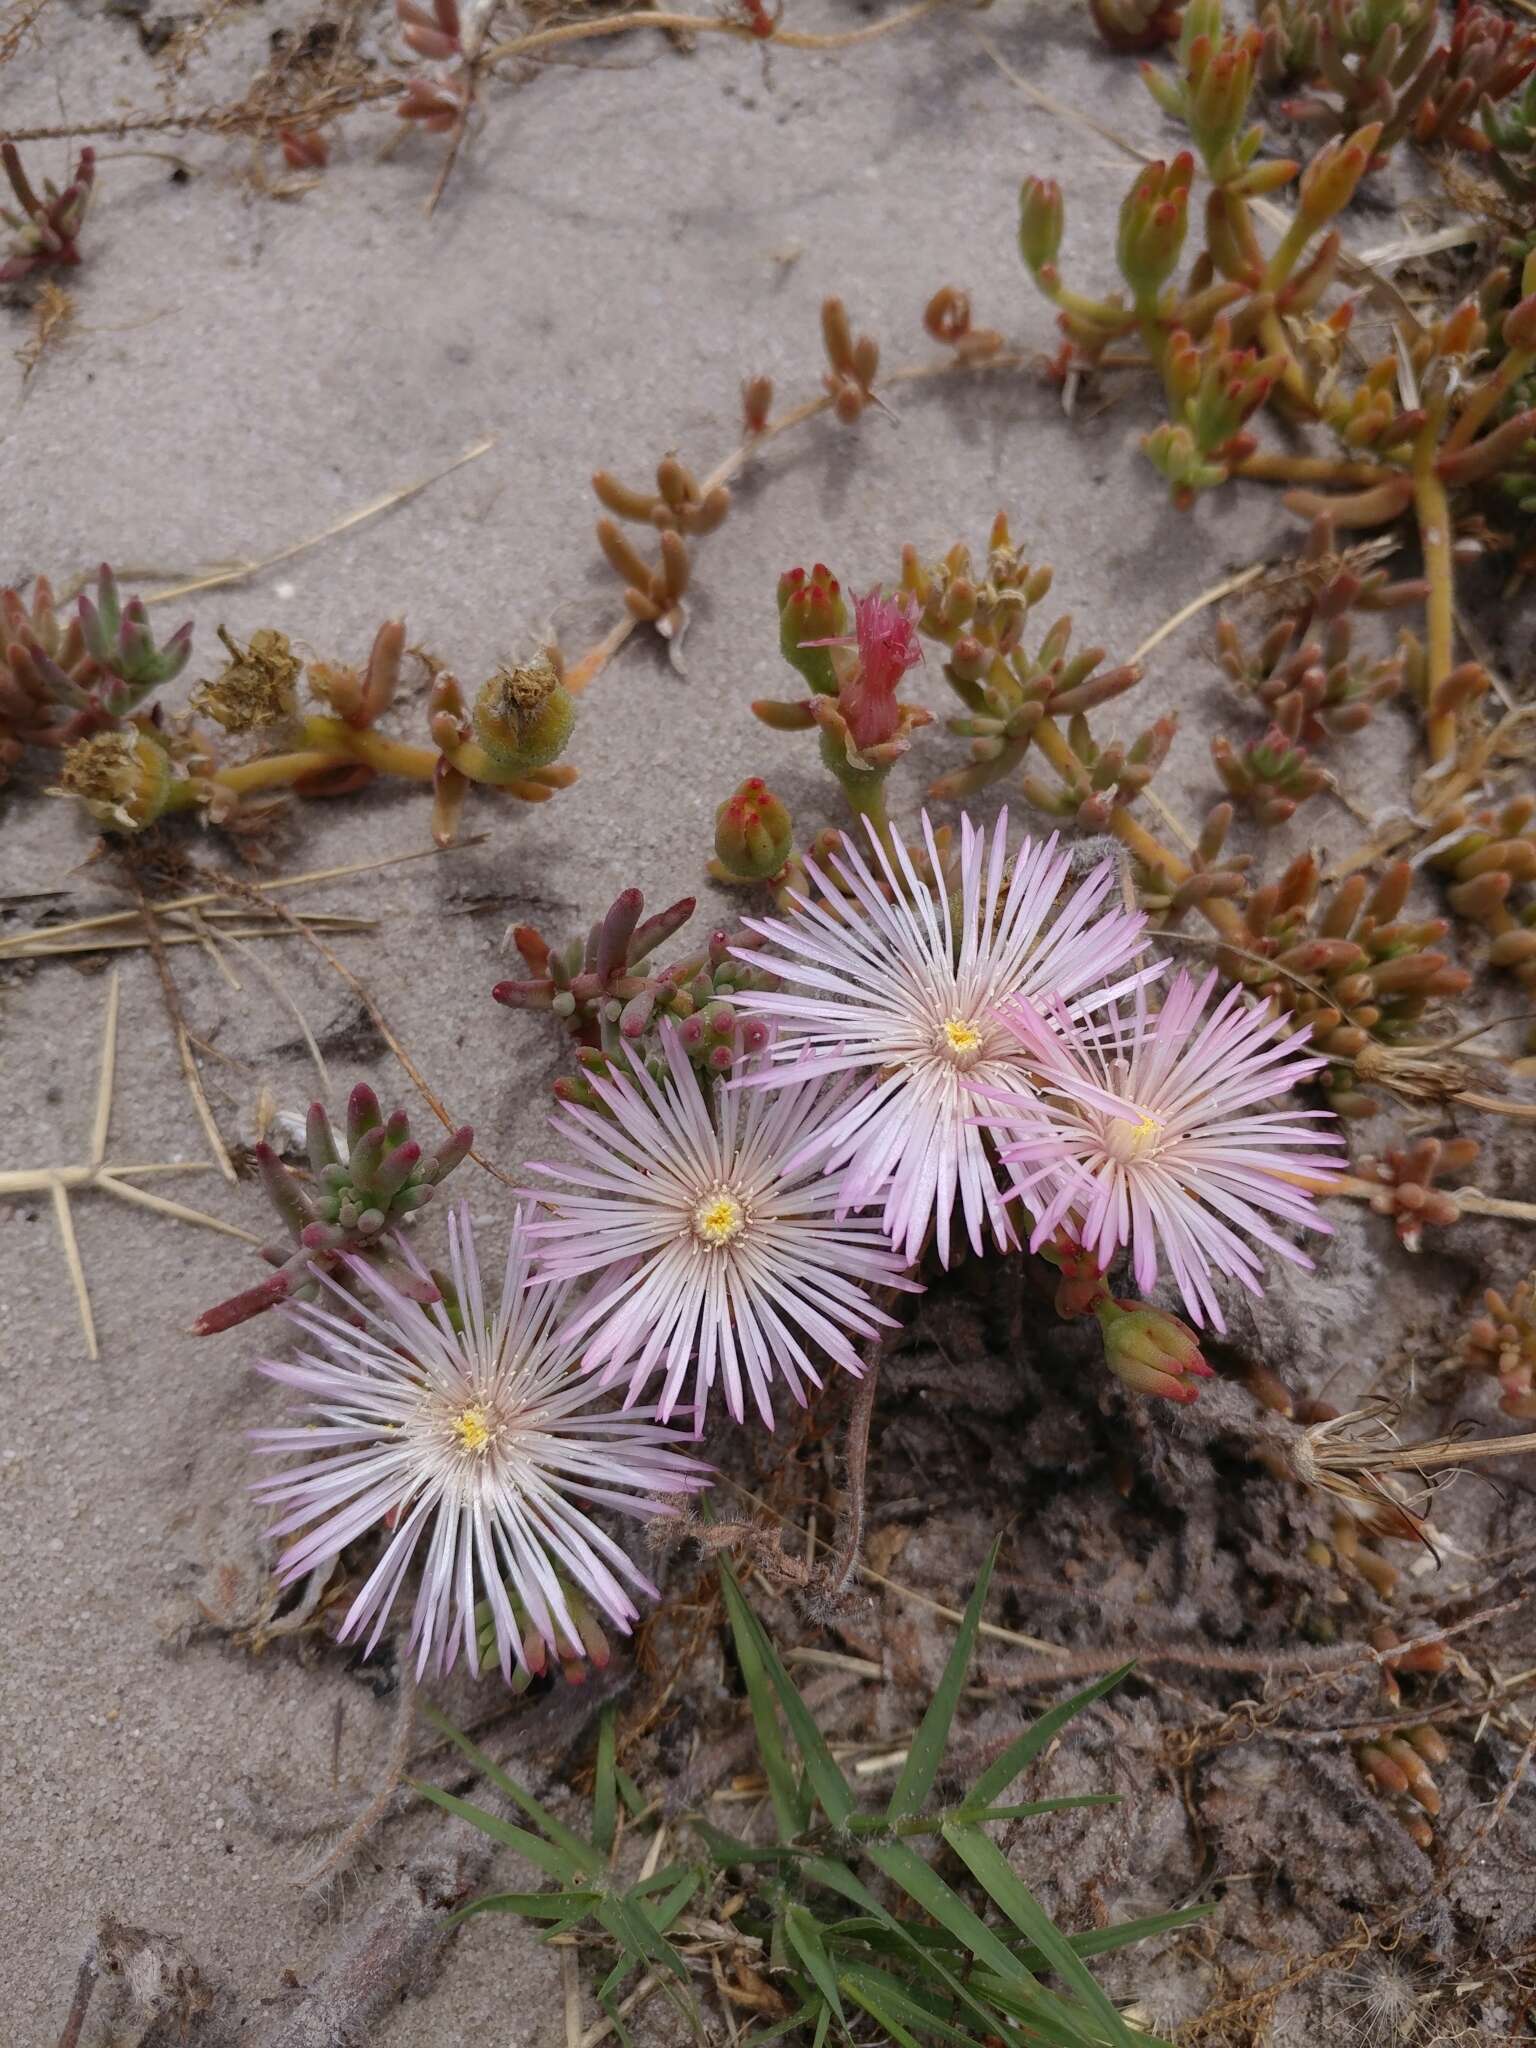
<point x="183" y="1037"/>
<point x="394" y="1770"/>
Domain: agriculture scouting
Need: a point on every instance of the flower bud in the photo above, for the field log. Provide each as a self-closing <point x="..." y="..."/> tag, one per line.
<point x="811" y="609"/>
<point x="523" y="716"/>
<point x="753" y="832"/>
<point x="1040" y="222"/>
<point x="1149" y="1350"/>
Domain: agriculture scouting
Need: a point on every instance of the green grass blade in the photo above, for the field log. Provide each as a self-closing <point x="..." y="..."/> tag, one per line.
<point x="631" y="1794"/>
<point x="837" y="1877"/>
<point x="805" y="1939"/>
<point x="579" y="1851"/>
<point x="1008" y="1891"/>
<point x="665" y="1911"/>
<point x="791" y="1812"/>
<point x="1103" y="1941"/>
<point x="864" y="1994"/>
<point x="994" y="1781"/>
<point x="621" y="2033"/>
<point x="880" y="1824"/>
<point x="546" y="1856"/>
<point x="900" y="2003"/>
<point x="927" y="1890"/>
<point x="562" y="1909"/>
<point x="605" y="1788"/>
<point x="932" y="1738"/>
<point x="821" y="1773"/>
<point x="730" y="1851"/>
<point x="632" y="1929"/>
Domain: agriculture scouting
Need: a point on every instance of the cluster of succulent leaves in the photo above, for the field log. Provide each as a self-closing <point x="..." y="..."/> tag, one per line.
<point x="45" y="226"/>
<point x="856" y="1923"/>
<point x="601" y="986"/>
<point x="1380" y="60"/>
<point x="350" y="1204"/>
<point x="79" y="687"/>
<point x="1226" y="341"/>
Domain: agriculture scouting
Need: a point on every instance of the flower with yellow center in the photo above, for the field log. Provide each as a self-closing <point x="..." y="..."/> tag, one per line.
<point x="1157" y="1130"/>
<point x="474" y="1429"/>
<point x="718" y="1244"/>
<point x="960" y="1042"/>
<point x="892" y="968"/>
<point x="475" y="1443"/>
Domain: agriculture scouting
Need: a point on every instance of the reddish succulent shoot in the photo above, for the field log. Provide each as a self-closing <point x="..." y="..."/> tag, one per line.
<point x="47" y="228"/>
<point x="433" y="33"/>
<point x="885" y="635"/>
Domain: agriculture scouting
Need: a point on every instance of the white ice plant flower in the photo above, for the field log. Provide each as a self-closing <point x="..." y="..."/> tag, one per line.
<point x="475" y="1436"/>
<point x="890" y="977"/>
<point x="716" y="1256"/>
<point x="1166" y="1131"/>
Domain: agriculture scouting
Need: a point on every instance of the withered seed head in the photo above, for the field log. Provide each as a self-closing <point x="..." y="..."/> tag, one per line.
<point x="256" y="688"/>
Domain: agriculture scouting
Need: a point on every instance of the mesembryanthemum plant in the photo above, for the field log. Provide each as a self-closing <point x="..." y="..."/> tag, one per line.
<point x="719" y="1245"/>
<point x="900" y="979"/>
<point x="468" y="1431"/>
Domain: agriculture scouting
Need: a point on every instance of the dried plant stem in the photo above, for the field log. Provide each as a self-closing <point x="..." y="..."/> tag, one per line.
<point x="394" y="1770"/>
<point x="238" y="889"/>
<point x="184" y="1051"/>
<point x="85" y="1984"/>
<point x="221" y="933"/>
<point x="706" y="24"/>
<point x="214" y="900"/>
<point x="253" y="116"/>
<point x="1471" y="1201"/>
<point x="242" y="572"/>
<point x="844" y="1561"/>
<point x="1227" y="587"/>
<point x="1433" y="511"/>
<point x="94" y="1173"/>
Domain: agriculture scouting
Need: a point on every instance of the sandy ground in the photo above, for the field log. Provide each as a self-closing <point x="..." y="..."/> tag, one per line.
<point x="629" y="234"/>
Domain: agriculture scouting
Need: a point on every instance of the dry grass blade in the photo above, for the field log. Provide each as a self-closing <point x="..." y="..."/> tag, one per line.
<point x="242" y="572"/>
<point x="239" y="890"/>
<point x="183" y="1038"/>
<point x="213" y="900"/>
<point x="94" y="1173"/>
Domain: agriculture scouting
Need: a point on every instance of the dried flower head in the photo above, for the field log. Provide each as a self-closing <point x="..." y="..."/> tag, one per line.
<point x="256" y="688"/>
<point x="1144" y="1130"/>
<point x="717" y="1238"/>
<point x="894" y="976"/>
<point x="475" y="1433"/>
<point x="125" y="778"/>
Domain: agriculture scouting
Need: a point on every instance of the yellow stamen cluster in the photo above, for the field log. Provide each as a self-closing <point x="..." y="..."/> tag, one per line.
<point x="473" y="1430"/>
<point x="719" y="1219"/>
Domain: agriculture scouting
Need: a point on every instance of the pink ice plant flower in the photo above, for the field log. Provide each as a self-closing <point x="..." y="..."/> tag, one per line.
<point x="885" y="634"/>
<point x="716" y="1256"/>
<point x="892" y="978"/>
<point x="1144" y="1129"/>
<point x="485" y="1442"/>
